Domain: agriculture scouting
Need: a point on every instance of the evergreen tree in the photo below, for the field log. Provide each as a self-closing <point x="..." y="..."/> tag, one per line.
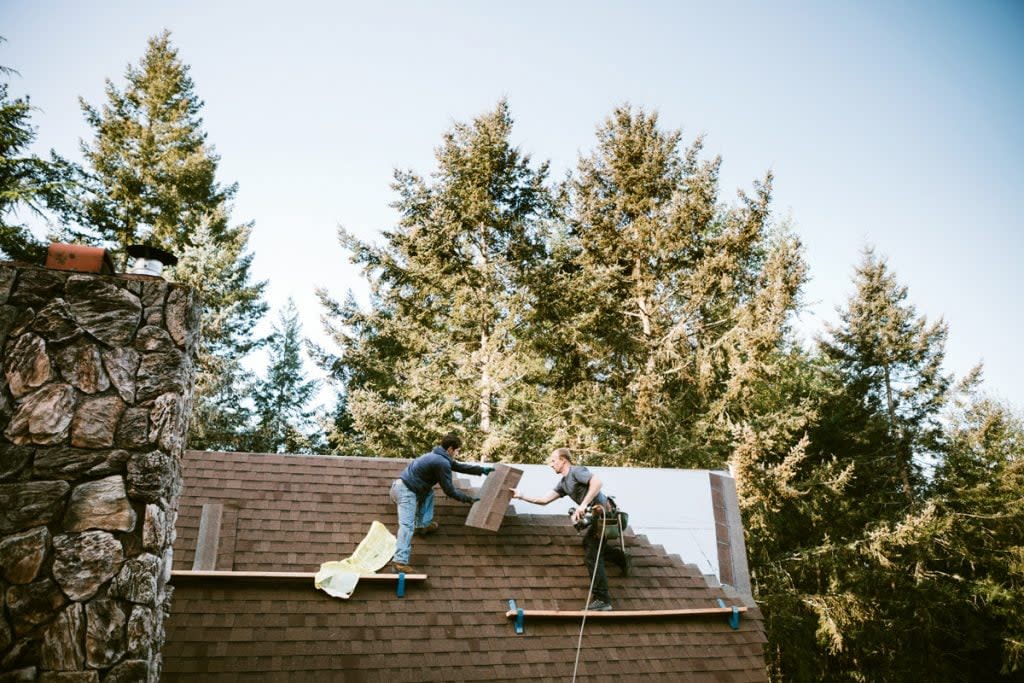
<point x="218" y="270"/>
<point x="786" y="499"/>
<point x="889" y="361"/>
<point x="367" y="359"/>
<point x="152" y="176"/>
<point x="26" y="181"/>
<point x="979" y="489"/>
<point x="936" y="588"/>
<point x="907" y="592"/>
<point x="673" y="303"/>
<point x="442" y="343"/>
<point x="338" y="432"/>
<point x="152" y="179"/>
<point x="285" y="423"/>
<point x="846" y="536"/>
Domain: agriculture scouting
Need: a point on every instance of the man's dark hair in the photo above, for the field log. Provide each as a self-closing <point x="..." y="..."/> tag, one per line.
<point x="451" y="440"/>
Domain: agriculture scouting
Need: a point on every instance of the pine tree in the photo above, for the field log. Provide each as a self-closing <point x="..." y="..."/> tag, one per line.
<point x="890" y="362"/>
<point x="673" y="302"/>
<point x="442" y="344"/>
<point x="285" y="422"/>
<point x="26" y="181"/>
<point x="846" y="536"/>
<point x="152" y="179"/>
<point x="979" y="489"/>
<point x="152" y="176"/>
<point x="788" y="496"/>
<point x="218" y="270"/>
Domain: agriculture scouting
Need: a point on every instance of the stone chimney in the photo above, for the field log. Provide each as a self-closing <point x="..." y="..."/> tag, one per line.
<point x="95" y="399"/>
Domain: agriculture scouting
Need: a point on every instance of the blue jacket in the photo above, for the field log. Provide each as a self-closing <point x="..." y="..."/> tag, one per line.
<point x="436" y="467"/>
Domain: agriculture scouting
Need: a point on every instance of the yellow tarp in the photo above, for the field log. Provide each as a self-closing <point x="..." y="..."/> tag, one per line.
<point x="373" y="552"/>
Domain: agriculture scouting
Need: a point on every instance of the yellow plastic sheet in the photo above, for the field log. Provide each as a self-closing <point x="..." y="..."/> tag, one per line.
<point x="339" y="579"/>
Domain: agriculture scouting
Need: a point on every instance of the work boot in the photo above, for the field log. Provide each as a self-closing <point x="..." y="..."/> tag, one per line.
<point x="402" y="568"/>
<point x="599" y="606"/>
<point x="426" y="530"/>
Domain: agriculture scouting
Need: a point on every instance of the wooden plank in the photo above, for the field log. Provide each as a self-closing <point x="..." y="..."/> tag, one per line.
<point x="208" y="543"/>
<point x="575" y="614"/>
<point x="281" y="576"/>
<point x="228" y="536"/>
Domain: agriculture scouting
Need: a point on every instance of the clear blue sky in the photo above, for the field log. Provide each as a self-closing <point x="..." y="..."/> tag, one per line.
<point x="897" y="125"/>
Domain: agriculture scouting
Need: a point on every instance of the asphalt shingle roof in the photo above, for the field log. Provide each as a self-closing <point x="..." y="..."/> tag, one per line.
<point x="286" y="513"/>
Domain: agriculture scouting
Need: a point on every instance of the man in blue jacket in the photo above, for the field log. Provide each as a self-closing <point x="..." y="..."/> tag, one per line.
<point x="413" y="493"/>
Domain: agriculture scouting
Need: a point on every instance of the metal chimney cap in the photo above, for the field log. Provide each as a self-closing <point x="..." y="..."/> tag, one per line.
<point x="144" y="251"/>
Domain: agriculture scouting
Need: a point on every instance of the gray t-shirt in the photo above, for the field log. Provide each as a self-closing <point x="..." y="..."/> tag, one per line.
<point x="576" y="483"/>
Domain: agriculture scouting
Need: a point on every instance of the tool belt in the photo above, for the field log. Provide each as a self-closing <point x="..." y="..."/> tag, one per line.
<point x="616" y="521"/>
<point x="609" y="517"/>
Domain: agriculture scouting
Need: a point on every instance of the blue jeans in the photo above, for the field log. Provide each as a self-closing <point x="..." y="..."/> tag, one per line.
<point x="414" y="512"/>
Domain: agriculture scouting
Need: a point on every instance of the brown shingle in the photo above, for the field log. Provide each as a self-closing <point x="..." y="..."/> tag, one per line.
<point x="495" y="494"/>
<point x="294" y="512"/>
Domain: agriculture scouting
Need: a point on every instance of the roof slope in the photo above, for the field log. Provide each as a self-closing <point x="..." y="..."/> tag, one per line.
<point x="290" y="513"/>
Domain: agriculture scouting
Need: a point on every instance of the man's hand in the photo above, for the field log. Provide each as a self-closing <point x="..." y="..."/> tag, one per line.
<point x="488" y="469"/>
<point x="515" y="493"/>
<point x="578" y="513"/>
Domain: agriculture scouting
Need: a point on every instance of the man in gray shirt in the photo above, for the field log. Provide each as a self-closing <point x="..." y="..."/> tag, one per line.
<point x="582" y="486"/>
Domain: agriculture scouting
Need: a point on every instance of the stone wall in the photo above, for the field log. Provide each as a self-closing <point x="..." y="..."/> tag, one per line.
<point x="95" y="398"/>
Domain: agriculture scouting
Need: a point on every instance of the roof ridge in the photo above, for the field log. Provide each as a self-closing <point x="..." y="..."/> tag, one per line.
<point x="335" y="456"/>
<point x="326" y="457"/>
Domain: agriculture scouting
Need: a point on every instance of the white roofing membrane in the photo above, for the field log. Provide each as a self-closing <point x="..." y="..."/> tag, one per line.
<point x="672" y="508"/>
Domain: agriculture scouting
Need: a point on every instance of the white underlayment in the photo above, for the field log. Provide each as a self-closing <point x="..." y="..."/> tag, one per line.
<point x="671" y="507"/>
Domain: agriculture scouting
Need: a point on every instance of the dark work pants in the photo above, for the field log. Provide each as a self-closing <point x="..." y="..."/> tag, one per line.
<point x="609" y="550"/>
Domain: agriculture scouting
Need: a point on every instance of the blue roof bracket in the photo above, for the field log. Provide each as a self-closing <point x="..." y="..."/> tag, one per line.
<point x="519" y="616"/>
<point x="734" y="616"/>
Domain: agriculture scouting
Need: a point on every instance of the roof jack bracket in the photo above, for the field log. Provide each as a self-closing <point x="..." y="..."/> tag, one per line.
<point x="519" y="615"/>
<point x="400" y="591"/>
<point x="734" y="617"/>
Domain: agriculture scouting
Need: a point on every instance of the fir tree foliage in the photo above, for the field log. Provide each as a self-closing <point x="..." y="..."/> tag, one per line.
<point x="27" y="181"/>
<point x="938" y="585"/>
<point x="979" y="488"/>
<point x="675" y="303"/>
<point x="285" y="421"/>
<point x="152" y="175"/>
<point x="857" y="579"/>
<point x="151" y="178"/>
<point x="443" y="341"/>
<point x="218" y="270"/>
<point x="890" y="361"/>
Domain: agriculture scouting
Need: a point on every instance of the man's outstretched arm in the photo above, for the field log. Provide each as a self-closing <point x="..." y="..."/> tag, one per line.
<point x="547" y="498"/>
